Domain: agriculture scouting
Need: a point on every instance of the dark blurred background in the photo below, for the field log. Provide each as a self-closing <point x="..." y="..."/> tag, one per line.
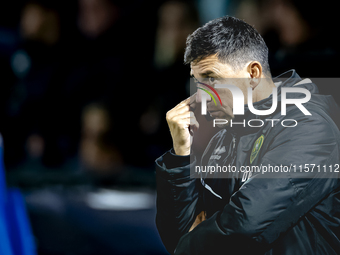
<point x="85" y="86"/>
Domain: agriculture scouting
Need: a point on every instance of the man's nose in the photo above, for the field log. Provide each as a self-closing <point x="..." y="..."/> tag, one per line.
<point x="200" y="95"/>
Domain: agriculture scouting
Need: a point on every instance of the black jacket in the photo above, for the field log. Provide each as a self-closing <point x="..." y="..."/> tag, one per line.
<point x="287" y="212"/>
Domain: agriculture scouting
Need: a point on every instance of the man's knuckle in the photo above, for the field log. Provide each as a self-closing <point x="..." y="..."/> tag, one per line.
<point x="168" y="115"/>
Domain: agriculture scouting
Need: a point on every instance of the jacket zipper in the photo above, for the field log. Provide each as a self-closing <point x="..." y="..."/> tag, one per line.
<point x="233" y="151"/>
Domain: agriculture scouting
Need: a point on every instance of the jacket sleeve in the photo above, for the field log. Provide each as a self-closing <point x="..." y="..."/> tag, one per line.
<point x="268" y="205"/>
<point x="177" y="198"/>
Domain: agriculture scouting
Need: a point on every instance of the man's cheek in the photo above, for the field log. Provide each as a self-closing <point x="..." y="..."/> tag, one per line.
<point x="227" y="99"/>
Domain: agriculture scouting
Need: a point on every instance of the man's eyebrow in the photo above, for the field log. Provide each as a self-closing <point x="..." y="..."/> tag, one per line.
<point x="207" y="73"/>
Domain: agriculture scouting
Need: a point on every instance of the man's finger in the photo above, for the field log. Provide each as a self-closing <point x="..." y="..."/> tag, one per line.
<point x="186" y="105"/>
<point x="184" y="115"/>
<point x="190" y="100"/>
<point x="175" y="112"/>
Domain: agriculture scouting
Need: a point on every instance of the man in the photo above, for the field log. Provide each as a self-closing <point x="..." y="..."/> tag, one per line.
<point x="292" y="210"/>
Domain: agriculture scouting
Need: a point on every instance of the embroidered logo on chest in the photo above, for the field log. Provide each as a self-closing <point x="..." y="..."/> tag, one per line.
<point x="256" y="148"/>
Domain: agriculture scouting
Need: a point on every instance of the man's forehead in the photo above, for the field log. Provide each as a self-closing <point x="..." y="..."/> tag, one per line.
<point x="204" y="63"/>
<point x="210" y="64"/>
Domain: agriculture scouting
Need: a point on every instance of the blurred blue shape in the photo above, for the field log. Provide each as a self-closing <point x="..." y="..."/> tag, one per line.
<point x="5" y="244"/>
<point x="15" y="231"/>
<point x="19" y="228"/>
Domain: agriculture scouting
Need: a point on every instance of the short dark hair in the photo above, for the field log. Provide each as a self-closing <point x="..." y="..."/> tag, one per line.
<point x="234" y="41"/>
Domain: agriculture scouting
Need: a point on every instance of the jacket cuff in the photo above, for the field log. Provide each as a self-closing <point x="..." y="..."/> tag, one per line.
<point x="171" y="166"/>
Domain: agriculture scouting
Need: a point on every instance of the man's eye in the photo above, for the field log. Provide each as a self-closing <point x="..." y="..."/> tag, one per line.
<point x="211" y="79"/>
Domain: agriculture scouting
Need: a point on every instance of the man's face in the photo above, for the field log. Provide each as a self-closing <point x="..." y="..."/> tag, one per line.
<point x="211" y="71"/>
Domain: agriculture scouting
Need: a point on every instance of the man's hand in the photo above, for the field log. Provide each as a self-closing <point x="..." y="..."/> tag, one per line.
<point x="182" y="122"/>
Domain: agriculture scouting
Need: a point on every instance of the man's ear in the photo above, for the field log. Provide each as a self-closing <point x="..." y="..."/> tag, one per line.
<point x="255" y="72"/>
